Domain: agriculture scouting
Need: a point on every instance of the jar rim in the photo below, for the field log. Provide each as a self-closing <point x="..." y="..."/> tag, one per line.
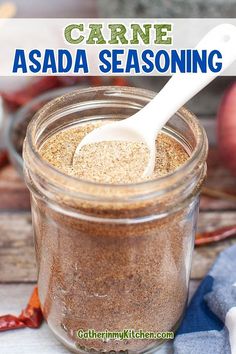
<point x="199" y="151"/>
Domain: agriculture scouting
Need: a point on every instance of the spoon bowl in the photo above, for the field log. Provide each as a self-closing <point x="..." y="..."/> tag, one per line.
<point x="144" y="125"/>
<point x="122" y="131"/>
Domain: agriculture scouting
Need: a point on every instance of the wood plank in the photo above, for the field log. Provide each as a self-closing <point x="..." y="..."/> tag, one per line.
<point x="218" y="177"/>
<point x="13" y="298"/>
<point x="13" y="193"/>
<point x="204" y="256"/>
<point x="17" y="260"/>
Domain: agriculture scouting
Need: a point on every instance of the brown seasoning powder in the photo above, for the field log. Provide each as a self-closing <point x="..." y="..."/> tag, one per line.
<point x="113" y="276"/>
<point x="110" y="162"/>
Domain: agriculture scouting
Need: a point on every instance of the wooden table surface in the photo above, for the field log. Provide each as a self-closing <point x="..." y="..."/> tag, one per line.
<point x="17" y="260"/>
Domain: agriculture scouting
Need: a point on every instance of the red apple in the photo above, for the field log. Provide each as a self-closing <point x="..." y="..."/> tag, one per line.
<point x="226" y="128"/>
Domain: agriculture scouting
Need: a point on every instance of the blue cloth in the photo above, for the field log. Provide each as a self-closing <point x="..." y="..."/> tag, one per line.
<point x="203" y="329"/>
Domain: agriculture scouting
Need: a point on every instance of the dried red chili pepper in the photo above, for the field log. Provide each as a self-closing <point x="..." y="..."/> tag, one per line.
<point x="21" y="97"/>
<point x="216" y="235"/>
<point x="95" y="81"/>
<point x="3" y="158"/>
<point x="8" y="322"/>
<point x="31" y="316"/>
<point x="120" y="81"/>
<point x="17" y="99"/>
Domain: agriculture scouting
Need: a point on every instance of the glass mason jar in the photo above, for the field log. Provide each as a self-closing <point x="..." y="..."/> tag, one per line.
<point x="112" y="257"/>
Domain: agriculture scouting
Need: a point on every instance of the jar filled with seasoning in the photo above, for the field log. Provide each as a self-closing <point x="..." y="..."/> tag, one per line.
<point x="113" y="250"/>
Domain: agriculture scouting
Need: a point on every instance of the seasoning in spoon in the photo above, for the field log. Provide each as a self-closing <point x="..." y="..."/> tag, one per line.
<point x="111" y="161"/>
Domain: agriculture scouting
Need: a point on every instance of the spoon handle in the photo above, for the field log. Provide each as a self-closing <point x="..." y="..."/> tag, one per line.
<point x="181" y="87"/>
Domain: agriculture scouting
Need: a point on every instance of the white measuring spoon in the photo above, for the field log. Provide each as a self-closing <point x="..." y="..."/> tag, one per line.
<point x="144" y="125"/>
